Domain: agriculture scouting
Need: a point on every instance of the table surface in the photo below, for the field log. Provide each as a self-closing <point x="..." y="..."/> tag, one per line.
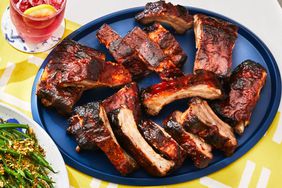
<point x="261" y="167"/>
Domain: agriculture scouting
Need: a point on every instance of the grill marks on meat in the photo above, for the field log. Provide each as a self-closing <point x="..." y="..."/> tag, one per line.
<point x="93" y="73"/>
<point x="137" y="52"/>
<point x="130" y="138"/>
<point x="167" y="42"/>
<point x="215" y="40"/>
<point x="176" y="16"/>
<point x="122" y="52"/>
<point x="162" y="142"/>
<point x="203" y="84"/>
<point x="127" y="96"/>
<point x="246" y="83"/>
<point x="90" y="125"/>
<point x="200" y="120"/>
<point x="73" y="68"/>
<point x="151" y="53"/>
<point x="49" y="89"/>
<point x="197" y="149"/>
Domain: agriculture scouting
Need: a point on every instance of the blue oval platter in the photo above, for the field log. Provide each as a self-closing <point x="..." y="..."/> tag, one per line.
<point x="96" y="164"/>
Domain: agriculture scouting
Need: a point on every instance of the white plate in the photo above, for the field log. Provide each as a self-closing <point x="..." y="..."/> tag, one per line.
<point x="53" y="155"/>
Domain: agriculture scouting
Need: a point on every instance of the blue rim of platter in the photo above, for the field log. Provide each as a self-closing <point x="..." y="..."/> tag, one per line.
<point x="270" y="113"/>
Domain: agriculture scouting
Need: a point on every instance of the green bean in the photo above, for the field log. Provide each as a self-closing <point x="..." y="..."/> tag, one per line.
<point x="13" y="125"/>
<point x="10" y="151"/>
<point x="20" y="133"/>
<point x="40" y="160"/>
<point x="15" y="174"/>
<point x="4" y="138"/>
<point x="7" y="134"/>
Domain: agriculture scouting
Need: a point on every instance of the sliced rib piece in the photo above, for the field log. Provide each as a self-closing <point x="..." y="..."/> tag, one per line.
<point x="176" y="16"/>
<point x="90" y="126"/>
<point x="94" y="73"/>
<point x="203" y="84"/>
<point x="137" y="52"/>
<point x="127" y="96"/>
<point x="215" y="40"/>
<point x="49" y="90"/>
<point x="51" y="95"/>
<point x="167" y="42"/>
<point x="246" y="83"/>
<point x="122" y="52"/>
<point x="162" y="142"/>
<point x="130" y="138"/>
<point x="196" y="148"/>
<point x="200" y="120"/>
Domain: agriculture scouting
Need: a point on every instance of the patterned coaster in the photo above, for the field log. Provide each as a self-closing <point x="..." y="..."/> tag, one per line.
<point x="11" y="35"/>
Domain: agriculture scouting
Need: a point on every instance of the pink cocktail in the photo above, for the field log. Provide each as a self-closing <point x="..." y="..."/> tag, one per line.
<point x="33" y="28"/>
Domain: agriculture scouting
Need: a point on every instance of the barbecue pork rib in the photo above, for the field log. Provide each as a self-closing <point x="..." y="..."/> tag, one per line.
<point x="127" y="96"/>
<point x="137" y="52"/>
<point x="215" y="40"/>
<point x="90" y="126"/>
<point x="203" y="84"/>
<point x="167" y="42"/>
<point x="197" y="149"/>
<point x="176" y="16"/>
<point x="162" y="142"/>
<point x="126" y="130"/>
<point x="122" y="52"/>
<point x="246" y="82"/>
<point x="49" y="90"/>
<point x="152" y="54"/>
<point x="200" y="120"/>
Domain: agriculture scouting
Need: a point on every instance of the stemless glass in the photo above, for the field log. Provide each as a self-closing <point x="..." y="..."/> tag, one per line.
<point x="34" y="29"/>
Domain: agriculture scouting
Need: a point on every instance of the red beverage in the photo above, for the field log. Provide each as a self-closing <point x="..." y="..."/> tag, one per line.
<point x="36" y="27"/>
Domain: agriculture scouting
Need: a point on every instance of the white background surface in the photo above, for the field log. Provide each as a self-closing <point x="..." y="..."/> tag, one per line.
<point x="263" y="17"/>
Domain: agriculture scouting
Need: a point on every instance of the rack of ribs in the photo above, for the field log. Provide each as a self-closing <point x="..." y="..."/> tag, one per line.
<point x="127" y="96"/>
<point x="200" y="120"/>
<point x="167" y="42"/>
<point x="162" y="142"/>
<point x="122" y="52"/>
<point x="126" y="130"/>
<point x="176" y="16"/>
<point x="90" y="126"/>
<point x="139" y="53"/>
<point x="203" y="84"/>
<point x="246" y="82"/>
<point x="215" y="40"/>
<point x="197" y="149"/>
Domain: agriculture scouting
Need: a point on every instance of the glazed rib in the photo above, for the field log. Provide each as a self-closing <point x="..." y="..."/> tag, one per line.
<point x="94" y="73"/>
<point x="203" y="84"/>
<point x="167" y="42"/>
<point x="127" y="132"/>
<point x="152" y="54"/>
<point x="127" y="96"/>
<point x="162" y="142"/>
<point x="49" y="90"/>
<point x="176" y="16"/>
<point x="197" y="149"/>
<point x="246" y="82"/>
<point x="90" y="126"/>
<point x="122" y="52"/>
<point x="215" y="40"/>
<point x="200" y="120"/>
<point x="138" y="53"/>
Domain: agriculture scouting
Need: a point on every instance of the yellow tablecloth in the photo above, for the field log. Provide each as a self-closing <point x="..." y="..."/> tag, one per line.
<point x="260" y="167"/>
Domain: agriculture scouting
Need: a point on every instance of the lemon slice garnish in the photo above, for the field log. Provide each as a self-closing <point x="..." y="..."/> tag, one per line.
<point x="41" y="11"/>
